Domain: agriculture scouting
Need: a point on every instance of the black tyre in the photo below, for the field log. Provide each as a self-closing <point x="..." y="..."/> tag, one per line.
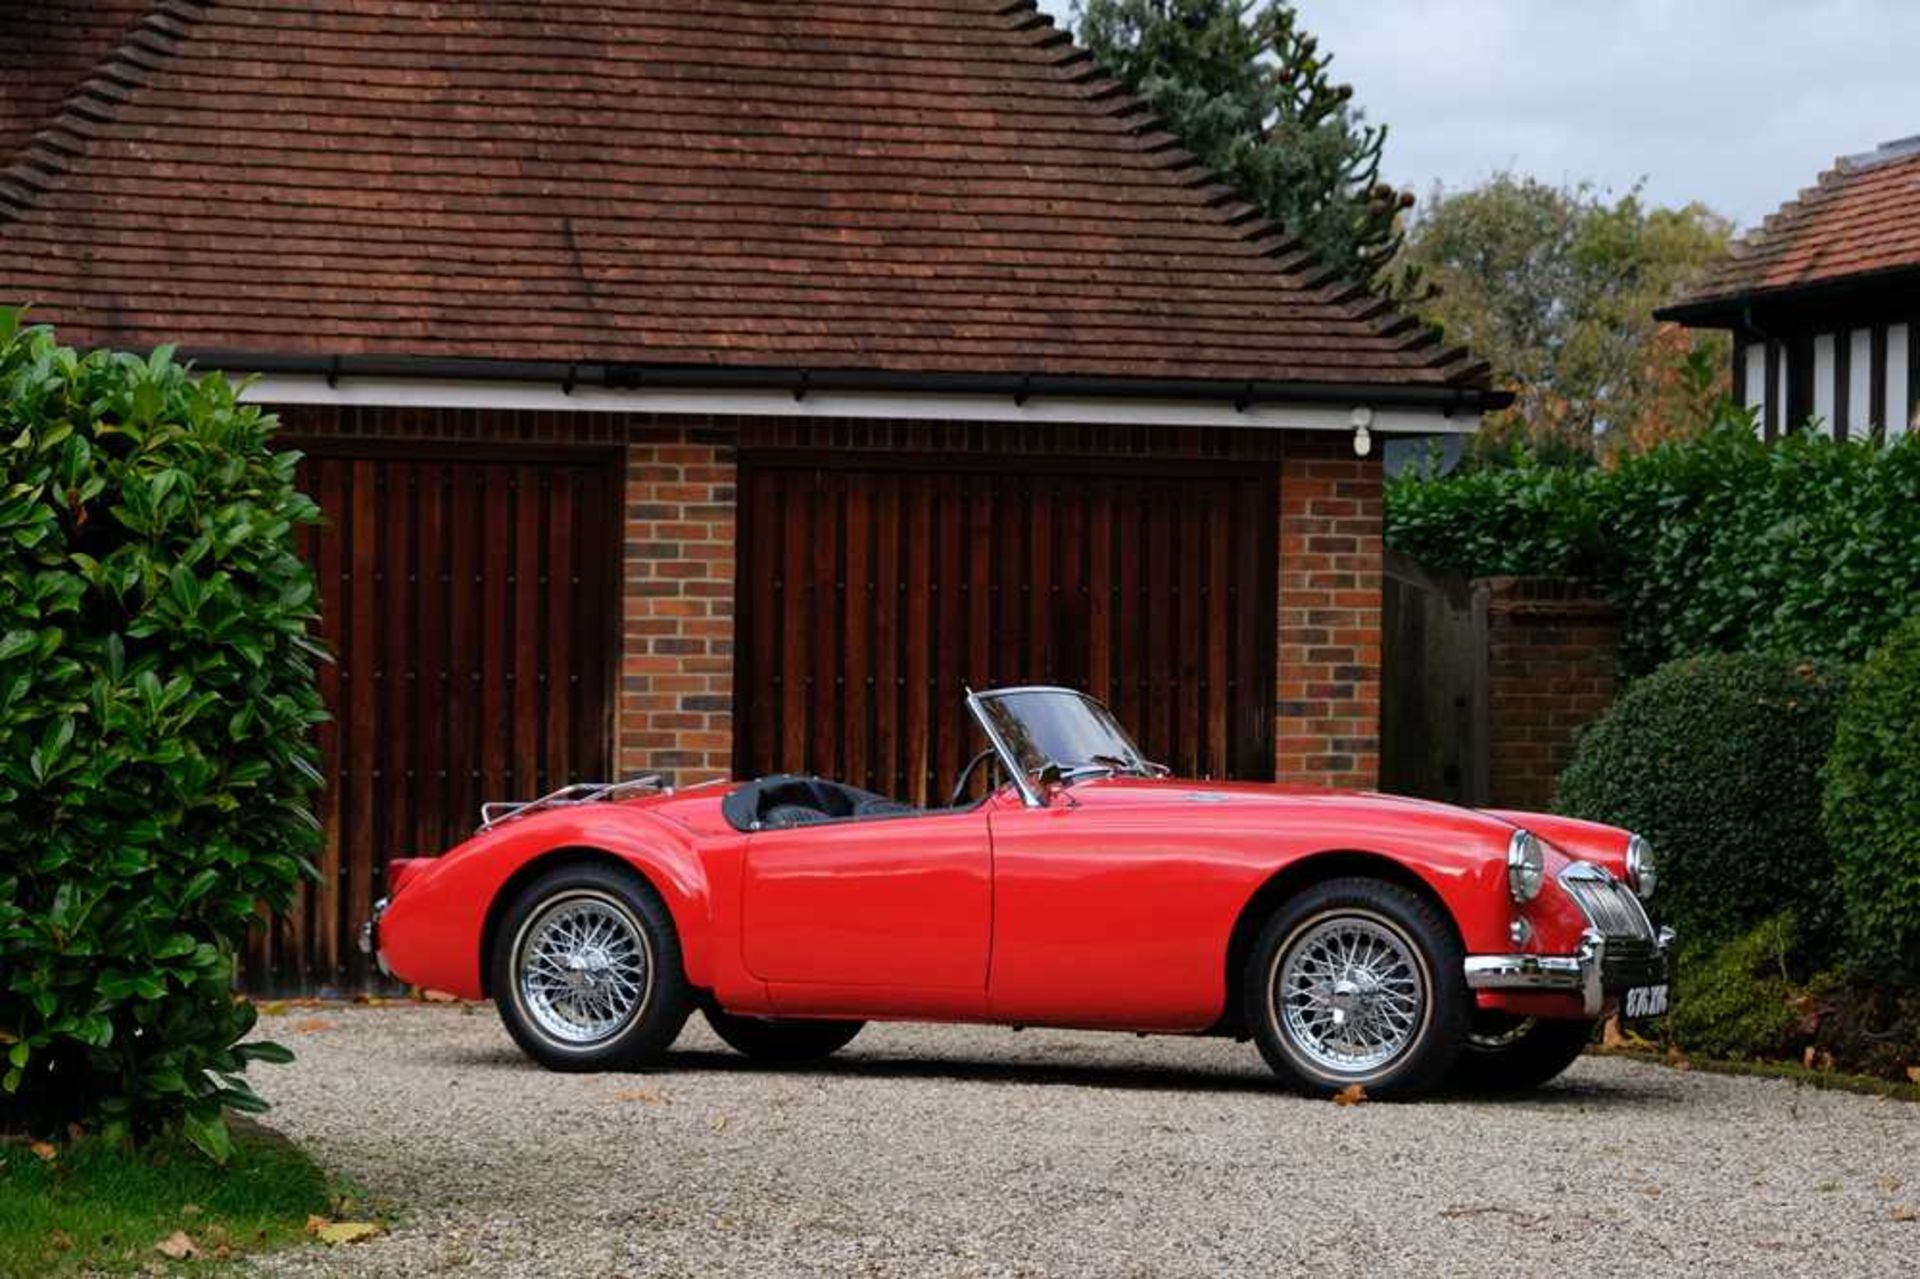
<point x="782" y="1042"/>
<point x="587" y="973"/>
<point x="1505" y="1053"/>
<point x="1358" y="981"/>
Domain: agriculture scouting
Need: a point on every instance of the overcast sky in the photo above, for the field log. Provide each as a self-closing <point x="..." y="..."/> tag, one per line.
<point x="1736" y="103"/>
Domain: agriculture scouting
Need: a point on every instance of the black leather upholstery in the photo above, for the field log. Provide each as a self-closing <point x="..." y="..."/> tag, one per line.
<point x="785" y="800"/>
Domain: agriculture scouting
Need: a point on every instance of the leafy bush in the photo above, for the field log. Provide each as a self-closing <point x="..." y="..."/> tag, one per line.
<point x="156" y="704"/>
<point x="1723" y="543"/>
<point x="1873" y="808"/>
<point x="1735" y="1000"/>
<point x="1716" y="760"/>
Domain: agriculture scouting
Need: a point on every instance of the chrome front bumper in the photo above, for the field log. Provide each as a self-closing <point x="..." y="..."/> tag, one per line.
<point x="1601" y="967"/>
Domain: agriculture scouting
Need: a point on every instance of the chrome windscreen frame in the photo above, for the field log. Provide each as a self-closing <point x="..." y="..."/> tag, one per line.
<point x="1008" y="760"/>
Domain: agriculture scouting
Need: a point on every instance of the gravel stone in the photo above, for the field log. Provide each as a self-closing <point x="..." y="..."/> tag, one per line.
<point x="931" y="1151"/>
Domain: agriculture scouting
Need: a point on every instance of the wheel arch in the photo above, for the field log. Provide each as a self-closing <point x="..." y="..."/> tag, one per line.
<point x="1295" y="877"/>
<point x="587" y="855"/>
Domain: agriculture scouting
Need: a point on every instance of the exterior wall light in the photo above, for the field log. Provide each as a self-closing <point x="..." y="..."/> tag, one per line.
<point x="1362" y="420"/>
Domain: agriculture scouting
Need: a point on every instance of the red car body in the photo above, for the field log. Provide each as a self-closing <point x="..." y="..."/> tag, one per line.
<point x="1123" y="903"/>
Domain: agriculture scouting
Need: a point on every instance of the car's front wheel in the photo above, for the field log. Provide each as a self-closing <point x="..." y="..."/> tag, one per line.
<point x="1505" y="1053"/>
<point x="782" y="1042"/>
<point x="586" y="970"/>
<point x="1358" y="981"/>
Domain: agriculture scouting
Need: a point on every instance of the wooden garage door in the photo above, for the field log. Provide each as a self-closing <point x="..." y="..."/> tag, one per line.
<point x="870" y="596"/>
<point x="470" y="601"/>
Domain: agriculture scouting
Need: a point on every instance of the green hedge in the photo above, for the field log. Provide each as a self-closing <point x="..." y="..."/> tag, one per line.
<point x="1801" y="548"/>
<point x="156" y="707"/>
<point x="1873" y="809"/>
<point x="1716" y="760"/>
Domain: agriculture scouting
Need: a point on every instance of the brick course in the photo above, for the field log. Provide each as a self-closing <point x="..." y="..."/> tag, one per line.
<point x="1552" y="669"/>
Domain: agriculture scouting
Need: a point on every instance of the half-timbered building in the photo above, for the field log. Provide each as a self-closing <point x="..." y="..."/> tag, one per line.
<point x="719" y="387"/>
<point x="1823" y="302"/>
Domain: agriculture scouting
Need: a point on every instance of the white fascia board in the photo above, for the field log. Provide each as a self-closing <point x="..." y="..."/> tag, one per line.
<point x="396" y="392"/>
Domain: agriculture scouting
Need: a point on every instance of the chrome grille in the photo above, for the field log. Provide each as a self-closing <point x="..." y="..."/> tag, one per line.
<point x="1608" y="904"/>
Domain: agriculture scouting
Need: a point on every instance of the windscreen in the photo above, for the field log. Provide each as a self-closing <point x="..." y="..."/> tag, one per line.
<point x="1062" y="727"/>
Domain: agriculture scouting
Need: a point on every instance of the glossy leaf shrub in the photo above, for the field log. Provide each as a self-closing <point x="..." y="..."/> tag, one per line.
<point x="1800" y="548"/>
<point x="157" y="701"/>
<point x="1717" y="761"/>
<point x="1873" y="809"/>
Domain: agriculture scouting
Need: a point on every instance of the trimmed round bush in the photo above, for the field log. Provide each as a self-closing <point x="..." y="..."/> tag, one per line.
<point x="1873" y="809"/>
<point x="156" y="709"/>
<point x="1716" y="760"/>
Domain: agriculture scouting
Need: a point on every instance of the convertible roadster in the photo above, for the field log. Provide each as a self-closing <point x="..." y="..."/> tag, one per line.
<point x="1357" y="938"/>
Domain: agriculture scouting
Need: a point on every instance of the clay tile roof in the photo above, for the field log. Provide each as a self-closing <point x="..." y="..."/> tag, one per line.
<point x="45" y="53"/>
<point x="908" y="186"/>
<point x="1862" y="218"/>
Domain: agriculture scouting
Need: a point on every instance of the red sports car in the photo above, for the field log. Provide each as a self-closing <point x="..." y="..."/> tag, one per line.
<point x="1358" y="938"/>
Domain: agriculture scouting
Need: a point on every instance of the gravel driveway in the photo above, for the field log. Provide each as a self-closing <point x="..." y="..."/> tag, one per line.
<point x="947" y="1151"/>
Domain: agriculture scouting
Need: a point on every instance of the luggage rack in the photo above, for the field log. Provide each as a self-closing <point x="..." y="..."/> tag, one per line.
<point x="493" y="814"/>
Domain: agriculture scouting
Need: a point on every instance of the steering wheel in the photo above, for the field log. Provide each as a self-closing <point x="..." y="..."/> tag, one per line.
<point x="966" y="775"/>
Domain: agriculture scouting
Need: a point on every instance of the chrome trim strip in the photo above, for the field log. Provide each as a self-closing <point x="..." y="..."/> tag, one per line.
<point x="1008" y="760"/>
<point x="497" y="811"/>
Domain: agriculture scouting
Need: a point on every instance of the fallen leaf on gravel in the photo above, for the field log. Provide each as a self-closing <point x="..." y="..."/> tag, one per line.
<point x="720" y="1124"/>
<point x="179" y="1246"/>
<point x="651" y="1096"/>
<point x="312" y="1026"/>
<point x="1610" y="1036"/>
<point x="274" y="1008"/>
<point x="315" y="1221"/>
<point x="1890" y="1184"/>
<point x="59" y="1241"/>
<point x="47" y="1151"/>
<point x="1351" y="1095"/>
<point x="1906" y="1214"/>
<point x="335" y="1233"/>
<point x="439" y="997"/>
<point x="1913" y="1073"/>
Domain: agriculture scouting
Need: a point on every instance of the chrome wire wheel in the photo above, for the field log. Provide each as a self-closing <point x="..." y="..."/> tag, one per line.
<point x="583" y="969"/>
<point x="1349" y="993"/>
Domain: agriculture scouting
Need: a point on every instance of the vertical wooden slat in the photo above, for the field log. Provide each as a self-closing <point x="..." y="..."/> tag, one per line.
<point x="855" y="588"/>
<point x="827" y="620"/>
<point x="1220" y="619"/>
<point x="526" y="665"/>
<point x="889" y="588"/>
<point x="1188" y="709"/>
<point x="557" y="657"/>
<point x="1099" y="587"/>
<point x="363" y="729"/>
<point x="921" y="625"/>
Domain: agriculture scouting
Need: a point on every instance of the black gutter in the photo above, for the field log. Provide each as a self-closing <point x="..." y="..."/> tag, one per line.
<point x="802" y="381"/>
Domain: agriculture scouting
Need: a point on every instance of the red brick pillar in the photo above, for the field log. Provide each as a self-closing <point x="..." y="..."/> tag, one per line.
<point x="1327" y="723"/>
<point x="1552" y="668"/>
<point x="675" y="712"/>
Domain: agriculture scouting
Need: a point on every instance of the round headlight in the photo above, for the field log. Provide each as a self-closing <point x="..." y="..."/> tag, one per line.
<point x="1526" y="866"/>
<point x="1641" y="873"/>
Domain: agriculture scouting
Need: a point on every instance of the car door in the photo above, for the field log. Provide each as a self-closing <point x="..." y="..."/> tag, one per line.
<point x="882" y="916"/>
<point x="1109" y="916"/>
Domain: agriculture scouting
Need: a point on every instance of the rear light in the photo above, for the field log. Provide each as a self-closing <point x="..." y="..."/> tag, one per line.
<point x="402" y="869"/>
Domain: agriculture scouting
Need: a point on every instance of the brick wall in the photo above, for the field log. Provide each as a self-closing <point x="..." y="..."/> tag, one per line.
<point x="1552" y="668"/>
<point x="675" y="713"/>
<point x="1327" y="726"/>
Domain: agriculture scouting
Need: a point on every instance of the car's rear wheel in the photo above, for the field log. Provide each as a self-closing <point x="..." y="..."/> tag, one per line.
<point x="1358" y="981"/>
<point x="782" y="1042"/>
<point x="1505" y="1053"/>
<point x="587" y="972"/>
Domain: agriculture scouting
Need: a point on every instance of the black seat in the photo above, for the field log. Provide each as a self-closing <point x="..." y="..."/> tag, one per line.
<point x="785" y="800"/>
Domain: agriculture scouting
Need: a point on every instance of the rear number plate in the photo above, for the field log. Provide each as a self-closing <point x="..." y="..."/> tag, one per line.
<point x="1645" y="1001"/>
